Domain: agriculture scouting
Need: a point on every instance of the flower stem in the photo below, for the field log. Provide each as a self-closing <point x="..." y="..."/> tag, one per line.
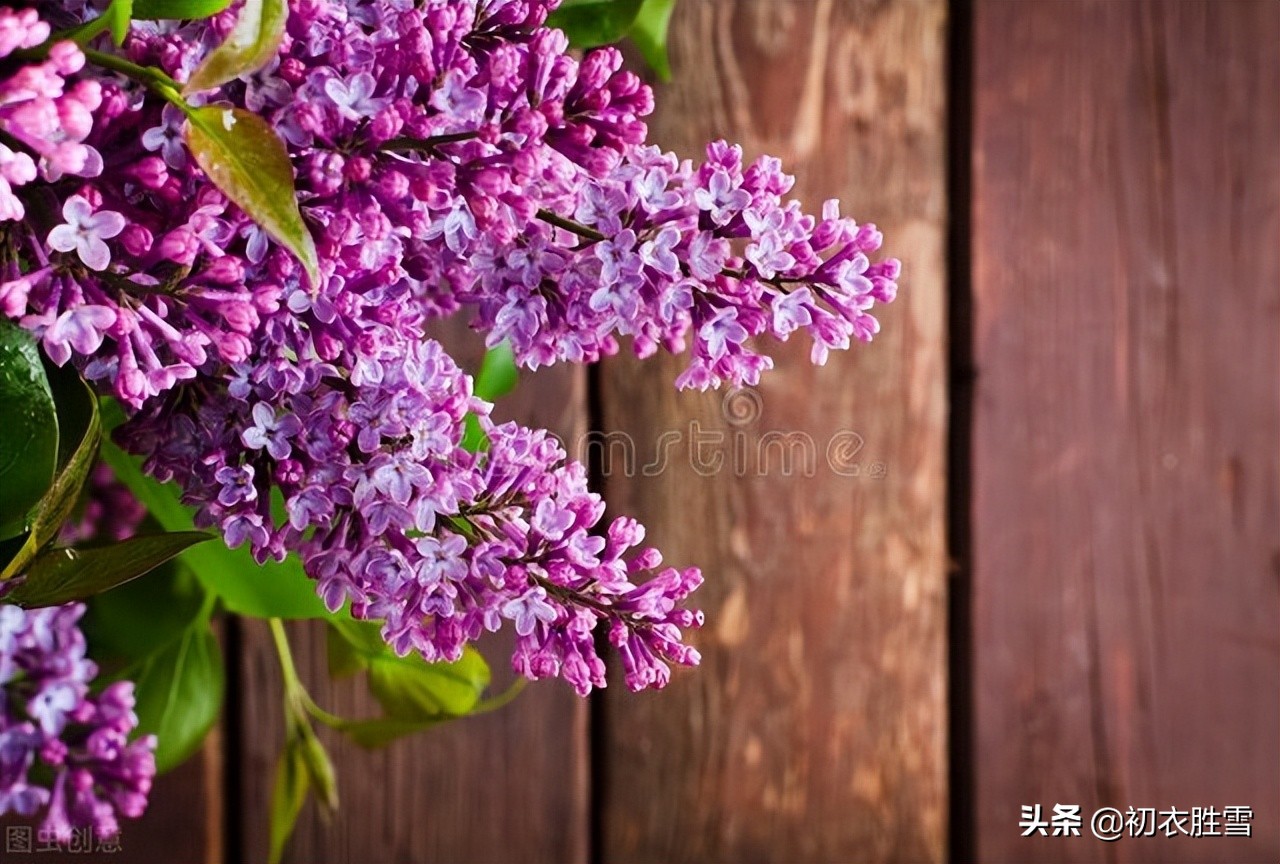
<point x="571" y="226"/>
<point x="406" y="143"/>
<point x="153" y="78"/>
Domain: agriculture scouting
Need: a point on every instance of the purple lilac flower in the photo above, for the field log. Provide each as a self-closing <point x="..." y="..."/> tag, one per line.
<point x="447" y="154"/>
<point x="39" y="112"/>
<point x="52" y="727"/>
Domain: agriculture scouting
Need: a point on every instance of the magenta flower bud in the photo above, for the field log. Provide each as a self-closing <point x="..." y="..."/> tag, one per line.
<point x="136" y="240"/>
<point x="357" y="169"/>
<point x="180" y="246"/>
<point x="391" y="185"/>
<point x="150" y="171"/>
<point x="66" y="57"/>
<point x="292" y="70"/>
<point x="226" y="270"/>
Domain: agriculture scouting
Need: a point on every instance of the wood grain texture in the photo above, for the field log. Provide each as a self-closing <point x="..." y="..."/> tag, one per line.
<point x="508" y="786"/>
<point x="1126" y="471"/>
<point x="815" y="728"/>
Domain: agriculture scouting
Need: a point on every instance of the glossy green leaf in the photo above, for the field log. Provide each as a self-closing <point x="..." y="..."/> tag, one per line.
<point x="649" y="34"/>
<point x="287" y="795"/>
<point x="179" y="692"/>
<point x="247" y="161"/>
<point x="62" y="575"/>
<point x="154" y="10"/>
<point x="276" y="589"/>
<point x="590" y="23"/>
<point x="125" y="625"/>
<point x="251" y="44"/>
<point x="29" y="445"/>
<point x="80" y="431"/>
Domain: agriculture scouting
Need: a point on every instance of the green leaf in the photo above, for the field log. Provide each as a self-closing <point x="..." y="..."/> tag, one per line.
<point x="63" y="575"/>
<point x="129" y="623"/>
<point x="29" y="445"/>
<point x="114" y="18"/>
<point x="408" y="688"/>
<point x="287" y="795"/>
<point x="649" y="34"/>
<point x="80" y="432"/>
<point x="191" y="10"/>
<point x="247" y="161"/>
<point x="118" y="15"/>
<point x="276" y="589"/>
<point x="590" y="23"/>
<point x="179" y="692"/>
<point x="251" y="44"/>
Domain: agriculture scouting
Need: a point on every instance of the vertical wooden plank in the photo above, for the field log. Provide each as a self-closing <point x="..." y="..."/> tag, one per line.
<point x="506" y="786"/>
<point x="815" y="728"/>
<point x="1126" y="490"/>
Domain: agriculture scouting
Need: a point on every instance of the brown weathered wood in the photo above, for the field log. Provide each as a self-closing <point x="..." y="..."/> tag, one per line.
<point x="815" y="728"/>
<point x="1126" y="472"/>
<point x="508" y="786"/>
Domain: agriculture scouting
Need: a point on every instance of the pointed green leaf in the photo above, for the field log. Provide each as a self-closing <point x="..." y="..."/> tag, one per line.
<point x="245" y="159"/>
<point x="190" y="10"/>
<point x="179" y="692"/>
<point x="649" y="34"/>
<point x="590" y="23"/>
<point x="29" y="445"/>
<point x="118" y="15"/>
<point x="114" y="18"/>
<point x="80" y="432"/>
<point x="287" y="795"/>
<point x="276" y="589"/>
<point x="250" y="45"/>
<point x="62" y="575"/>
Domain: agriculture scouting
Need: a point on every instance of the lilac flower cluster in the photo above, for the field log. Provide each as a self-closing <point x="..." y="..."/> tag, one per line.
<point x="38" y="111"/>
<point x="649" y="253"/>
<point x="448" y="155"/>
<point x="51" y="726"/>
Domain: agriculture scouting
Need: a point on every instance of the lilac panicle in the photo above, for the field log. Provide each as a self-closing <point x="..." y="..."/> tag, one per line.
<point x="52" y="726"/>
<point x="450" y="155"/>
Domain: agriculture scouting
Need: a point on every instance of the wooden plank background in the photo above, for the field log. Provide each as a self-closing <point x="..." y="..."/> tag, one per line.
<point x="1126" y="442"/>
<point x="1113" y="504"/>
<point x="815" y="728"/>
